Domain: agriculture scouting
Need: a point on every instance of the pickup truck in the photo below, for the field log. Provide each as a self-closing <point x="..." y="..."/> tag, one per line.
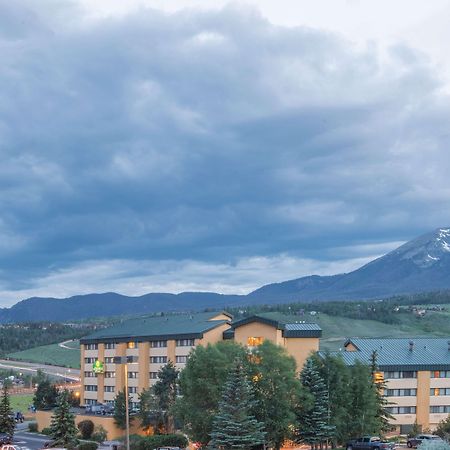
<point x="369" y="443"/>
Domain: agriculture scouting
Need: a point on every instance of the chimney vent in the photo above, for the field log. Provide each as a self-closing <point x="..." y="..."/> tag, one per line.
<point x="411" y="346"/>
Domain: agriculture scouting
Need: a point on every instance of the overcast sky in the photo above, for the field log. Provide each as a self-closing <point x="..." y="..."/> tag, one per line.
<point x="204" y="145"/>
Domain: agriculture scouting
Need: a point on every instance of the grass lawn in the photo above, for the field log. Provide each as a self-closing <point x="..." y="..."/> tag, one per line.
<point x="21" y="402"/>
<point x="51" y="354"/>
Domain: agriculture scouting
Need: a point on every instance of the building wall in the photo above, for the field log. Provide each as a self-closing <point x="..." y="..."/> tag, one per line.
<point x="260" y="330"/>
<point x="301" y="348"/>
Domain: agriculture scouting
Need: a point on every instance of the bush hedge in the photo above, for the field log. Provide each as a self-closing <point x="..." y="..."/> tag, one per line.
<point x="87" y="446"/>
<point x="33" y="427"/>
<point x="158" y="440"/>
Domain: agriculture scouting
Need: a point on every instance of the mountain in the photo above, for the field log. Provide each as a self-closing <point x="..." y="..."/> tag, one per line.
<point x="420" y="265"/>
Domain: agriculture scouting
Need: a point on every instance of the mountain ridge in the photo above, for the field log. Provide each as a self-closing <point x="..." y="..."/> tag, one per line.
<point x="420" y="265"/>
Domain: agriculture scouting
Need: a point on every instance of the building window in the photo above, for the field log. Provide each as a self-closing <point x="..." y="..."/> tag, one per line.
<point x="253" y="341"/>
<point x="402" y="410"/>
<point x="109" y="359"/>
<point x="439" y="391"/>
<point x="132" y="389"/>
<point x="110" y="346"/>
<point x="158" y="344"/>
<point x="90" y="401"/>
<point x="181" y="359"/>
<point x="440" y="374"/>
<point x="88" y="374"/>
<point x="185" y="342"/>
<point x="89" y="360"/>
<point x="132" y="345"/>
<point x="153" y="375"/>
<point x="108" y="388"/>
<point x="400" y="392"/>
<point x="440" y="409"/>
<point x="132" y="374"/>
<point x="110" y="374"/>
<point x="91" y="347"/>
<point x="400" y="374"/>
<point x="158" y="359"/>
<point x="90" y="387"/>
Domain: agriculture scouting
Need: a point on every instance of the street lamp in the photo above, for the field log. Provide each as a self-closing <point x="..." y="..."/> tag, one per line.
<point x="125" y="360"/>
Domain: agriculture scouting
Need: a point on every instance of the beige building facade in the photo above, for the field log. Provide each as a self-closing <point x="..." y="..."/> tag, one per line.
<point x="151" y="343"/>
<point x="416" y="373"/>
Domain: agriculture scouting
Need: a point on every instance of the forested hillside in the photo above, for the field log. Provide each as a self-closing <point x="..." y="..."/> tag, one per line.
<point x="16" y="337"/>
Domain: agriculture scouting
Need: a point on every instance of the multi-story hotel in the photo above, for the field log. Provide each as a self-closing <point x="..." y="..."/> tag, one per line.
<point x="417" y="372"/>
<point x="417" y="376"/>
<point x="157" y="340"/>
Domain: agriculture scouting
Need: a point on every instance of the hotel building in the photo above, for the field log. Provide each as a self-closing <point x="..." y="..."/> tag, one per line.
<point x="417" y="376"/>
<point x="417" y="371"/>
<point x="155" y="341"/>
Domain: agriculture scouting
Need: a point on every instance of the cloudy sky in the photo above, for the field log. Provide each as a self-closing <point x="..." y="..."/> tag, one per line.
<point x="168" y="145"/>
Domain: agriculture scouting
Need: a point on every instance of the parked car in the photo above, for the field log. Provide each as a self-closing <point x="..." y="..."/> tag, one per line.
<point x="5" y="439"/>
<point x="369" y="443"/>
<point x="416" y="441"/>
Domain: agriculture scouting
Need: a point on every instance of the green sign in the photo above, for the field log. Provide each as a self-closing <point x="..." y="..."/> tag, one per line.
<point x="98" y="367"/>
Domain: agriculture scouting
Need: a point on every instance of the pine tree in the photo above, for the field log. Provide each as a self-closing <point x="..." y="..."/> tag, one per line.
<point x="314" y="421"/>
<point x="7" y="422"/>
<point x="234" y="427"/>
<point x="120" y="411"/>
<point x="62" y="427"/>
<point x="384" y="418"/>
<point x="165" y="391"/>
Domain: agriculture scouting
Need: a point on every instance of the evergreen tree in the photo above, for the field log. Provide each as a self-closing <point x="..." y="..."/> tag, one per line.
<point x="165" y="391"/>
<point x="201" y="383"/>
<point x="120" y="411"/>
<point x="62" y="427"/>
<point x="384" y="418"/>
<point x="149" y="414"/>
<point x="314" y="420"/>
<point x="7" y="422"/>
<point x="235" y="427"/>
<point x="46" y="394"/>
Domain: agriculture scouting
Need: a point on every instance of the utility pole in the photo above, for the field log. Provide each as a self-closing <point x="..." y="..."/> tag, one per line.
<point x="124" y="360"/>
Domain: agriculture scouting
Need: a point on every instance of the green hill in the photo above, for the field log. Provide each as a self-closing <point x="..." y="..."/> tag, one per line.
<point x="51" y="354"/>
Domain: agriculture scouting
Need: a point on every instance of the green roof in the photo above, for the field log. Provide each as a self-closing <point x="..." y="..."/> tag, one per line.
<point x="180" y="326"/>
<point x="290" y="326"/>
<point x="401" y="354"/>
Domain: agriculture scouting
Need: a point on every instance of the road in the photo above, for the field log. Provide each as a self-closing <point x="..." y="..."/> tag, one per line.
<point x="28" y="441"/>
<point x="56" y="371"/>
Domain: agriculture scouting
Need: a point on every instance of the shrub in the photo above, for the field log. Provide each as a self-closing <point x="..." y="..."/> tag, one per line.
<point x="99" y="434"/>
<point x="87" y="446"/>
<point x="47" y="431"/>
<point x="86" y="428"/>
<point x="159" y="440"/>
<point x="33" y="427"/>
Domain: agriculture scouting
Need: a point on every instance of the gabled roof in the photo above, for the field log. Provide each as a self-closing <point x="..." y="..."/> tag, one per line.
<point x="180" y="326"/>
<point x="289" y="325"/>
<point x="401" y="353"/>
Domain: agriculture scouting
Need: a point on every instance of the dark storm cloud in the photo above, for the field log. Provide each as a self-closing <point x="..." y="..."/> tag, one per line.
<point x="208" y="136"/>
